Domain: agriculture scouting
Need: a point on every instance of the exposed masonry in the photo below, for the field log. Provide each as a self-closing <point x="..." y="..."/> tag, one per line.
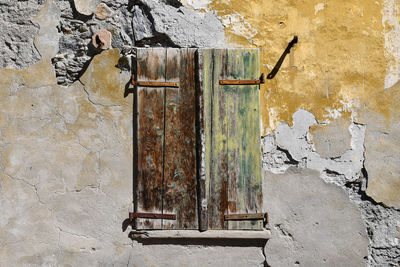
<point x="76" y="31"/>
<point x="17" y="33"/>
<point x="290" y="146"/>
<point x="132" y="23"/>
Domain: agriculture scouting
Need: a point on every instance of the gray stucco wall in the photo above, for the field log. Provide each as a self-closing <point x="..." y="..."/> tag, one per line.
<point x="66" y="152"/>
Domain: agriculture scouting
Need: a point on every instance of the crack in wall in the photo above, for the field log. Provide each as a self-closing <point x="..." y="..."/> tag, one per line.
<point x="265" y="263"/>
<point x="75" y="55"/>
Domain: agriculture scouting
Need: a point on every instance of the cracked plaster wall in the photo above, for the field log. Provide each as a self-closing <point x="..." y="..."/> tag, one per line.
<point x="66" y="142"/>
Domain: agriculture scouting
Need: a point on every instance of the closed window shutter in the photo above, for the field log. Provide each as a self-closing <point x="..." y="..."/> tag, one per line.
<point x="165" y="145"/>
<point x="230" y="156"/>
<point x="197" y="146"/>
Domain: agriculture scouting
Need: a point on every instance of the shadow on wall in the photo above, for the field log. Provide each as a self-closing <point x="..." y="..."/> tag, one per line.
<point x="220" y="242"/>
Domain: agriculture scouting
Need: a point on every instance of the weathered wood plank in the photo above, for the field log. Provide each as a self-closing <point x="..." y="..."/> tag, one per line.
<point x="230" y="137"/>
<point x="203" y="97"/>
<point x="180" y="141"/>
<point x="244" y="155"/>
<point x="213" y="140"/>
<point x="150" y="128"/>
<point x="218" y="179"/>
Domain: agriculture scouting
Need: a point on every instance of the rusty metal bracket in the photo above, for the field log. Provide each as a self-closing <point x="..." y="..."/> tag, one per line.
<point x="153" y="83"/>
<point x="247" y="217"/>
<point x="133" y="215"/>
<point x="243" y="82"/>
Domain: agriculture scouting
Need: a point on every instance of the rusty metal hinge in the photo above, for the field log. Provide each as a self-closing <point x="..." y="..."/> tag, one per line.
<point x="243" y="82"/>
<point x="153" y="83"/>
<point x="133" y="215"/>
<point x="247" y="217"/>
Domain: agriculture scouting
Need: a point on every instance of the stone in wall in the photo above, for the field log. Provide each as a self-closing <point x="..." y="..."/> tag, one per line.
<point x="86" y="7"/>
<point x="102" y="39"/>
<point x="185" y="27"/>
<point x="103" y="11"/>
<point x="142" y="25"/>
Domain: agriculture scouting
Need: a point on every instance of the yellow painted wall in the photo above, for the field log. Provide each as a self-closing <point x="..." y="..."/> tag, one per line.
<point x="339" y="64"/>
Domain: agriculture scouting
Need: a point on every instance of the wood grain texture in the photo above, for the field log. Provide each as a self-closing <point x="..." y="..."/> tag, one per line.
<point x="231" y="147"/>
<point x="244" y="148"/>
<point x="150" y="120"/>
<point x="180" y="141"/>
<point x="218" y="190"/>
<point x="214" y="138"/>
<point x="166" y="139"/>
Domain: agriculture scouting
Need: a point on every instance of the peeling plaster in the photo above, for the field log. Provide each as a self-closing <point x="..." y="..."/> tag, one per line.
<point x="390" y="21"/>
<point x="349" y="164"/>
<point x="340" y="56"/>
<point x="66" y="151"/>
<point x="349" y="172"/>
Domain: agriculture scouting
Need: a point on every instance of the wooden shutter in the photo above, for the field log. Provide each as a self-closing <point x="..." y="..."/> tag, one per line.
<point x="165" y="139"/>
<point x="230" y="151"/>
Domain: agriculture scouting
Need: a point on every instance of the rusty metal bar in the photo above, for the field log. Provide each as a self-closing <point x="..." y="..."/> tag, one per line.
<point x="245" y="217"/>
<point x="153" y="83"/>
<point x="243" y="82"/>
<point x="133" y="215"/>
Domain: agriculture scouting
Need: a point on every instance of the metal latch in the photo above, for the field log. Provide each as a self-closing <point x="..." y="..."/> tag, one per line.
<point x="247" y="217"/>
<point x="133" y="215"/>
<point x="153" y="83"/>
<point x="243" y="82"/>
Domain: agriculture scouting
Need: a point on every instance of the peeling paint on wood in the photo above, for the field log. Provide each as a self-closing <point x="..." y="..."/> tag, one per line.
<point x="180" y="141"/>
<point x="231" y="136"/>
<point x="150" y="137"/>
<point x="166" y="180"/>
